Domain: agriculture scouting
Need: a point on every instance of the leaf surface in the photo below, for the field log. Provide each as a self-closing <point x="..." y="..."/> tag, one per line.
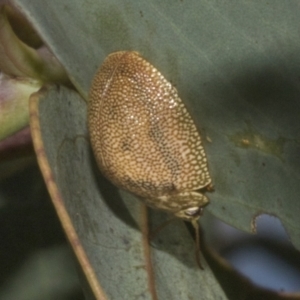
<point x="107" y="229"/>
<point x="235" y="65"/>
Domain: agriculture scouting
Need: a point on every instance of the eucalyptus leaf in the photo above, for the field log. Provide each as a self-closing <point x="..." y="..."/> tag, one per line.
<point x="235" y="64"/>
<point x="109" y="229"/>
<point x="14" y="96"/>
<point x="21" y="60"/>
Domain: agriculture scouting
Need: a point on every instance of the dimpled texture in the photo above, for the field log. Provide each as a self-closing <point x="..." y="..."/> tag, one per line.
<point x="143" y="138"/>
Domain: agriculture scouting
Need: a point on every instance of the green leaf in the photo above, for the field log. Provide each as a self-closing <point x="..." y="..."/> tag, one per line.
<point x="20" y="59"/>
<point x="107" y="229"/>
<point x="14" y="96"/>
<point x="236" y="65"/>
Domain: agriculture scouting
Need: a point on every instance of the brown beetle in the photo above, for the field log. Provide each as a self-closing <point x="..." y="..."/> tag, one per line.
<point x="144" y="139"/>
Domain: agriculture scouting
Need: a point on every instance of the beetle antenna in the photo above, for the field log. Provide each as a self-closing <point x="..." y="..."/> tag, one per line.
<point x="197" y="245"/>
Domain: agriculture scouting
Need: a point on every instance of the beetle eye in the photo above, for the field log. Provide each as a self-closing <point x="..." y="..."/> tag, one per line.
<point x="192" y="211"/>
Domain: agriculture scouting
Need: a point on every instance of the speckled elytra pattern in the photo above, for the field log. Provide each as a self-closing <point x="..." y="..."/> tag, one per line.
<point x="143" y="138"/>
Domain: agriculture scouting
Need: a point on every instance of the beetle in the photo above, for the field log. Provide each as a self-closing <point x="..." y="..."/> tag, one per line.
<point x="143" y="138"/>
